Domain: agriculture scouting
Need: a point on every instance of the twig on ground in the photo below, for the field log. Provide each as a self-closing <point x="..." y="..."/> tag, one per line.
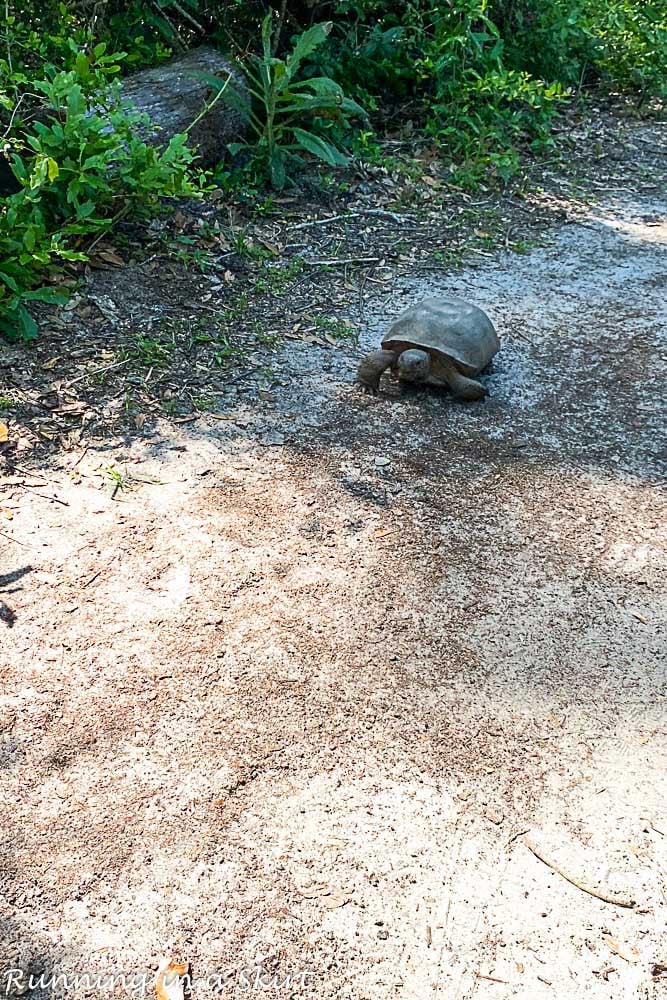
<point x="26" y="472"/>
<point x="5" y="535"/>
<point x="81" y="456"/>
<point x="97" y="371"/>
<point x="516" y="836"/>
<point x="43" y="496"/>
<point x="598" y="893"/>
<point x="383" y="213"/>
<point x="342" y="260"/>
<point x="649" y="820"/>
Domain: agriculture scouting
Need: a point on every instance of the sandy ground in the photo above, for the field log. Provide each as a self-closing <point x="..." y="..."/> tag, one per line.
<point x="293" y="700"/>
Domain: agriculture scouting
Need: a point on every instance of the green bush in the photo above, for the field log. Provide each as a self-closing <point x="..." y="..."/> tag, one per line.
<point x="621" y="44"/>
<point x="80" y="165"/>
<point x="450" y="60"/>
<point x="490" y="75"/>
<point x="482" y="109"/>
<point x="631" y="45"/>
<point x="483" y="77"/>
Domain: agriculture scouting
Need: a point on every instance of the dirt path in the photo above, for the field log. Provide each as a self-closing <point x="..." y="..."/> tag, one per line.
<point x="292" y="697"/>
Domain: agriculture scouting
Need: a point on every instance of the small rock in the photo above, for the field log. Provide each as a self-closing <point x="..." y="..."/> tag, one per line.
<point x="381" y="462"/>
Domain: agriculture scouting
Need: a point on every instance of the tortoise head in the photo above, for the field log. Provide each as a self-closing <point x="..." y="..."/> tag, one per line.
<point x="414" y="365"/>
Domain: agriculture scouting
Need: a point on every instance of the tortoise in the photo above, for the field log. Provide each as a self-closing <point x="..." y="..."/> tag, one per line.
<point x="442" y="342"/>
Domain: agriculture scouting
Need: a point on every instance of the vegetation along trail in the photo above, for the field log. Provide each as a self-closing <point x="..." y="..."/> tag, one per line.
<point x="365" y="694"/>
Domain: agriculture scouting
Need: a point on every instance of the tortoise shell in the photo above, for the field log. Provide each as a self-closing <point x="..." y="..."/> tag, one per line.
<point x="448" y="327"/>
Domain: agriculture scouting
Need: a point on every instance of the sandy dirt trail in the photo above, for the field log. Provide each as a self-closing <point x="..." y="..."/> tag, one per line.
<point x="290" y="705"/>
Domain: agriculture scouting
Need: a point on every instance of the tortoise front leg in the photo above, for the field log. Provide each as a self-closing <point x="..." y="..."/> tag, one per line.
<point x="371" y="368"/>
<point x="461" y="386"/>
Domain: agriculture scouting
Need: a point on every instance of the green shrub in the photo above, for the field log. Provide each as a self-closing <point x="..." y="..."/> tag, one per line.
<point x="483" y="77"/>
<point x="631" y="45"/>
<point x="79" y="165"/>
<point x="490" y="75"/>
<point x="450" y="59"/>
<point x="484" y="111"/>
<point x="619" y="43"/>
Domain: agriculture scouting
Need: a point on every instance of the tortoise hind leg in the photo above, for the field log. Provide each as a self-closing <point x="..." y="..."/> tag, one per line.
<point x="371" y="368"/>
<point x="461" y="386"/>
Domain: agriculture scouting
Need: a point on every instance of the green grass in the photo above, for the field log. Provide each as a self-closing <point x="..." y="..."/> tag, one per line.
<point x="150" y="352"/>
<point x="336" y="329"/>
<point x="203" y="404"/>
<point x="116" y="478"/>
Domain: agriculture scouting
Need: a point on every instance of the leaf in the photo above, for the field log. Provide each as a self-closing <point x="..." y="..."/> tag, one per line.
<point x="4" y="432"/>
<point x="53" y="295"/>
<point x="331" y="898"/>
<point x="7" y="280"/>
<point x="111" y="258"/>
<point x="335" y="899"/>
<point x="52" y="169"/>
<point x="625" y="952"/>
<point x="267" y="31"/>
<point x="295" y="103"/>
<point x="307" y="43"/>
<point x="18" y="324"/>
<point x="278" y="171"/>
<point x="75" y="103"/>
<point x="350" y="107"/>
<point x="315" y="890"/>
<point x="331" y="93"/>
<point x="319" y="147"/>
<point x="320" y="85"/>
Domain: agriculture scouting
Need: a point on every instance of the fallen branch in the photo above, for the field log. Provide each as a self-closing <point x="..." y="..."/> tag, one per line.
<point x="342" y="260"/>
<point x="97" y="371"/>
<point x="43" y="496"/>
<point x="383" y="213"/>
<point x="12" y="539"/>
<point x="599" y="894"/>
<point x="492" y="979"/>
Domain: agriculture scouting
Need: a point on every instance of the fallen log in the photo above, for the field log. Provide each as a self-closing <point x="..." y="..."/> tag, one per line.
<point x="174" y="94"/>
